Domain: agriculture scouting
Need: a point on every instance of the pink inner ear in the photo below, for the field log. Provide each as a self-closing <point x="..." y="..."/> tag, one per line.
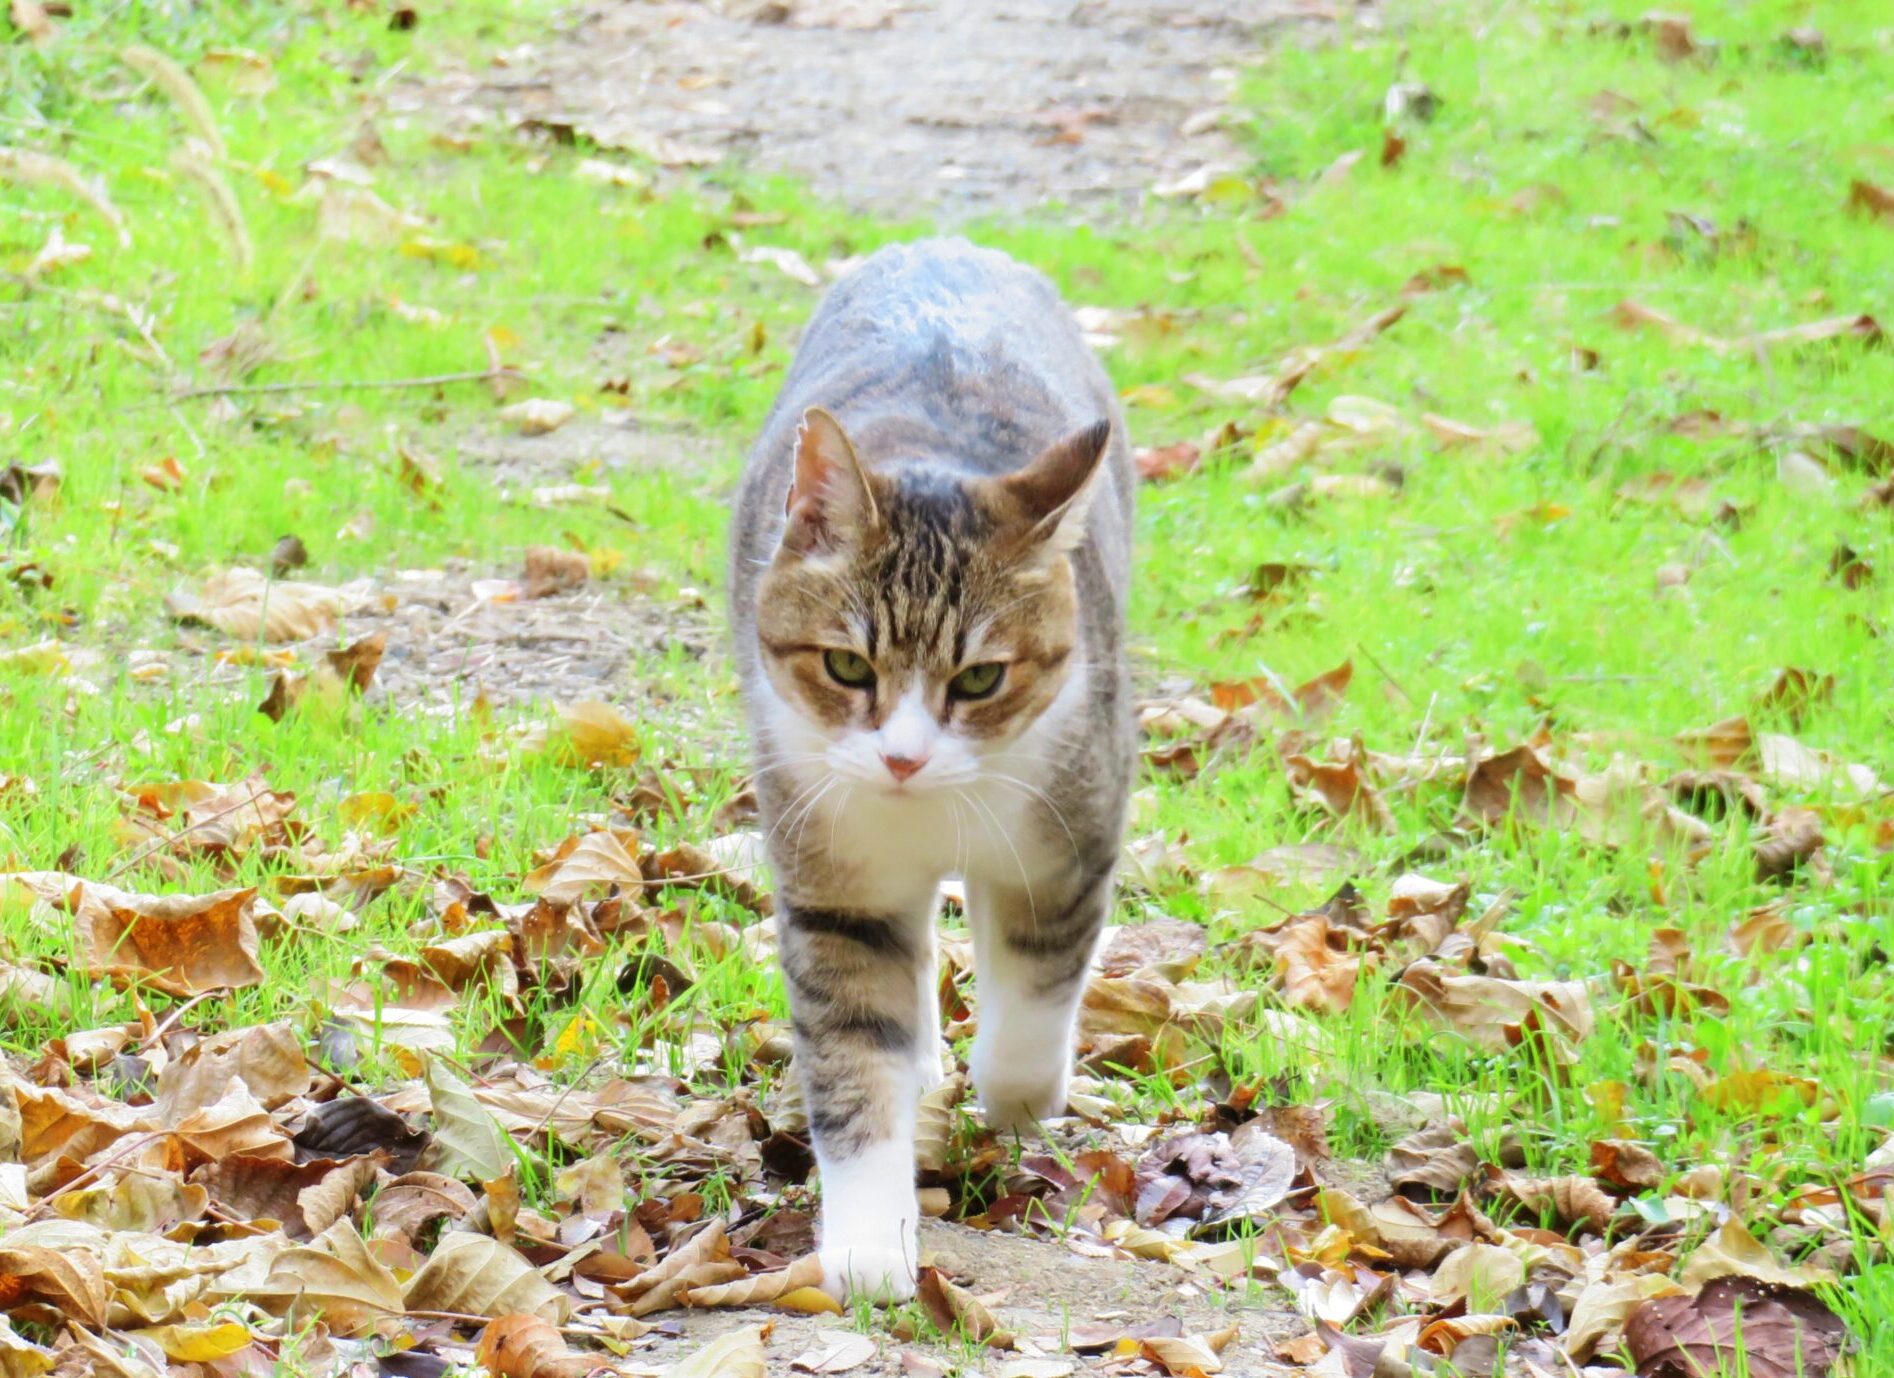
<point x="1060" y="472"/>
<point x="827" y="495"/>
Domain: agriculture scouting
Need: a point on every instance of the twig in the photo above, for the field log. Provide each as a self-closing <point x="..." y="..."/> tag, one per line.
<point x="92" y="1172"/>
<point x="164" y="1025"/>
<point x="482" y="375"/>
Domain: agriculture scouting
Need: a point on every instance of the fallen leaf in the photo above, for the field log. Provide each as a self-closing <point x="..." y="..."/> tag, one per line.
<point x="958" y="1312"/>
<point x="475" y="1275"/>
<point x="537" y="415"/>
<point x="1767" y="1332"/>
<point x="837" y="1356"/>
<point x="1734" y="1252"/>
<point x="529" y="1346"/>
<point x="738" y="1354"/>
<point x="180" y="944"/>
<point x="1870" y="199"/>
<point x="468" y="1141"/>
<point x="247" y="605"/>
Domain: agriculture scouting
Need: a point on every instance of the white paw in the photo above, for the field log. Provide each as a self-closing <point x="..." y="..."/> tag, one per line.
<point x="1012" y="1101"/>
<point x="882" y="1275"/>
<point x="928" y="1067"/>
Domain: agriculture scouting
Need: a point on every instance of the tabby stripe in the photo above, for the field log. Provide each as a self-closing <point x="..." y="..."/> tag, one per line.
<point x="872" y="931"/>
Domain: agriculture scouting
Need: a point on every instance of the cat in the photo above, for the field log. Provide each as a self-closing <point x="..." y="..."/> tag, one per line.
<point x="929" y="567"/>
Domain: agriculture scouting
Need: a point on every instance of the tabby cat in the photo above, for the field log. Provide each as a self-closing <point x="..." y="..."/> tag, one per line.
<point x="928" y="581"/>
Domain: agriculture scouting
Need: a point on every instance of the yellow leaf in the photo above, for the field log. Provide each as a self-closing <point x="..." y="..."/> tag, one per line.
<point x="376" y="810"/>
<point x="578" y="1041"/>
<point x="809" y="1301"/>
<point x="197" y="1344"/>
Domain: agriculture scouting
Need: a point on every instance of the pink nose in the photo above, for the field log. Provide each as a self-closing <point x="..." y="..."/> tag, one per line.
<point x="901" y="767"/>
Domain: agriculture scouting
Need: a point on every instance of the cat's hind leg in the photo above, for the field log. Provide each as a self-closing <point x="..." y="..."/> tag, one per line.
<point x="1032" y="951"/>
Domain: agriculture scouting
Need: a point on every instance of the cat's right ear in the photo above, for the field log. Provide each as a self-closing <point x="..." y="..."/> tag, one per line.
<point x="830" y="503"/>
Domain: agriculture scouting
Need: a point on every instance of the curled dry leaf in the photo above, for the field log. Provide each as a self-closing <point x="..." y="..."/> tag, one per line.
<point x="591" y="734"/>
<point x="1569" y="1202"/>
<point x="958" y="1312"/>
<point x="759" y="1289"/>
<point x="350" y="1126"/>
<point x="529" y="1346"/>
<point x="1734" y="1252"/>
<point x="1770" y="1332"/>
<point x="1490" y="1011"/>
<point x="306" y="1197"/>
<point x="247" y="605"/>
<point x="334" y="1278"/>
<point x="589" y="867"/>
<point x="182" y="945"/>
<point x="537" y="415"/>
<point x="702" y="1261"/>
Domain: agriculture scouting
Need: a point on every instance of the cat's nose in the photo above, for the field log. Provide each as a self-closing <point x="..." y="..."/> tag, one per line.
<point x="901" y="767"/>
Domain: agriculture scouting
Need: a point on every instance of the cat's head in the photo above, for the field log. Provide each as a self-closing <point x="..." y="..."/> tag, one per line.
<point x="915" y="623"/>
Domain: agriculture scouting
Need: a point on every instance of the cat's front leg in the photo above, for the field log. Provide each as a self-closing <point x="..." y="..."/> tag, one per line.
<point x="1032" y="951"/>
<point x="853" y="978"/>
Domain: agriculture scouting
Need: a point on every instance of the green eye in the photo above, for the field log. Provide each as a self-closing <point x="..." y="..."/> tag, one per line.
<point x="845" y="667"/>
<point x="977" y="681"/>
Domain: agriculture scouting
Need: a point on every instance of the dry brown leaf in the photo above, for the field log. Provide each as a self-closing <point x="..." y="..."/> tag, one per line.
<point x="247" y="605"/>
<point x="529" y="1346"/>
<point x="180" y="944"/>
<point x="591" y="866"/>
<point x="1415" y="1237"/>
<point x="1569" y="1201"/>
<point x="702" y="1261"/>
<point x="738" y="1354"/>
<point x="1632" y="1167"/>
<point x="759" y="1289"/>
<point x="307" y="1198"/>
<point x="551" y="570"/>
<point x="1479" y="1274"/>
<point x="408" y="1206"/>
<point x="235" y="1123"/>
<point x="266" y="1058"/>
<point x="1341" y="788"/>
<point x="1734" y="1252"/>
<point x="958" y="1312"/>
<point x="1603" y="1304"/>
<point x="1437" y="1158"/>
<point x="474" y="1275"/>
<point x="1317" y="964"/>
<point x="68" y="1282"/>
<point x="1769" y="1332"/>
<point x="591" y="734"/>
<point x="334" y="1278"/>
<point x="1490" y="1012"/>
<point x="1866" y="197"/>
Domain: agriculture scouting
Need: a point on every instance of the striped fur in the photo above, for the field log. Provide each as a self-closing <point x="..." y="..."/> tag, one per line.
<point x="944" y="486"/>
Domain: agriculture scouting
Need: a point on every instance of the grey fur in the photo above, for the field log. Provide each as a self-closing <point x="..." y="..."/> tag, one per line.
<point x="944" y="363"/>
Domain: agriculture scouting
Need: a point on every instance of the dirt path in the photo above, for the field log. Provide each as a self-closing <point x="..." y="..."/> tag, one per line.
<point x="954" y="108"/>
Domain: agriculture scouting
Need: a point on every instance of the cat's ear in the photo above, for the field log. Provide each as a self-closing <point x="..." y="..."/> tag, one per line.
<point x="1051" y="494"/>
<point x="830" y="503"/>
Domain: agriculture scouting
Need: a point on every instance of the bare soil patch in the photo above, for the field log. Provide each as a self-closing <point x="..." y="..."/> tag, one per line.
<point x="953" y="108"/>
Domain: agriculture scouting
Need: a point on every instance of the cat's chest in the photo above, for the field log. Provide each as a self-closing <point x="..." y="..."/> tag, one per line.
<point x="982" y="829"/>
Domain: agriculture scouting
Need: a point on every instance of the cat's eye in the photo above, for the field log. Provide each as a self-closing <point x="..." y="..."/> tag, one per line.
<point x="845" y="667"/>
<point x="977" y="681"/>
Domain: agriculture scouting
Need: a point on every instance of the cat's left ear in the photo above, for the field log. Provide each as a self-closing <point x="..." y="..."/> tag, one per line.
<point x="1052" y="493"/>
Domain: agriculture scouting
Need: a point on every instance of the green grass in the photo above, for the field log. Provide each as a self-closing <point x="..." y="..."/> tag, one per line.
<point x="1493" y="593"/>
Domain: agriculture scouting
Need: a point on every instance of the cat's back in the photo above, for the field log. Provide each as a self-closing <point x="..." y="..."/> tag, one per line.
<point x="945" y="339"/>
